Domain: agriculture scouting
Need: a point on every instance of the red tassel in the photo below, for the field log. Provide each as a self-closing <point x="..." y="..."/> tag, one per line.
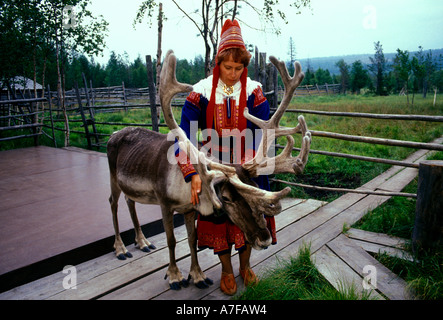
<point x="242" y="102"/>
<point x="211" y="104"/>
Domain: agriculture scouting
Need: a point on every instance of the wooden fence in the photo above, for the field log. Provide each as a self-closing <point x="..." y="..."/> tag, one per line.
<point x="24" y="118"/>
<point x="24" y="115"/>
<point x="87" y="101"/>
<point x="318" y="90"/>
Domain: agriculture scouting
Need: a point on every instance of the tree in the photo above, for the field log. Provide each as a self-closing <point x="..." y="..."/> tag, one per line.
<point x="323" y="76"/>
<point x="291" y="53"/>
<point x="72" y="28"/>
<point x="378" y="68"/>
<point x="402" y="71"/>
<point x="359" y="77"/>
<point x="423" y="66"/>
<point x="344" y="75"/>
<point x="19" y="25"/>
<point x="309" y="75"/>
<point x="208" y="18"/>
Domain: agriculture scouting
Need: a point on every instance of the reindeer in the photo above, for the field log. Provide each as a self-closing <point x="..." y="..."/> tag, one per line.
<point x="139" y="167"/>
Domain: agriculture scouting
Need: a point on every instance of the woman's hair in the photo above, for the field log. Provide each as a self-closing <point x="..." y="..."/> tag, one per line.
<point x="238" y="55"/>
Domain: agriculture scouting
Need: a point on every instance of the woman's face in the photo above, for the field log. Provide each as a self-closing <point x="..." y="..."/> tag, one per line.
<point x="231" y="71"/>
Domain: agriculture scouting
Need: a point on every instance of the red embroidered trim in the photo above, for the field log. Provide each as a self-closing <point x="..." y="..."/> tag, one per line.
<point x="185" y="164"/>
<point x="259" y="96"/>
<point x="219" y="237"/>
<point x="194" y="98"/>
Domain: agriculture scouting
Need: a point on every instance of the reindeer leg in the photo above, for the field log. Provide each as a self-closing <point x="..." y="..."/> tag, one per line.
<point x="120" y="250"/>
<point x="140" y="239"/>
<point x="200" y="279"/>
<point x="175" y="277"/>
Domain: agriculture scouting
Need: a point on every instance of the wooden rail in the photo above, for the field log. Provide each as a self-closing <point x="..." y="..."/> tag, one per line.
<point x="22" y="114"/>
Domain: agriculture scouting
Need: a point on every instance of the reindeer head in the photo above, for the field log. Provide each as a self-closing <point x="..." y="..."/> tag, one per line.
<point x="230" y="188"/>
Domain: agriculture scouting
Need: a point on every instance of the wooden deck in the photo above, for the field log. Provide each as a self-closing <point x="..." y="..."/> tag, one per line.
<point x="55" y="201"/>
<point x="341" y="258"/>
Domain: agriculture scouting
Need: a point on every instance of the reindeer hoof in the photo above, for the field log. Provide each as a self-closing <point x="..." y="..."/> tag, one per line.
<point x="175" y="286"/>
<point x="146" y="249"/>
<point x="202" y="285"/>
<point x="184" y="283"/>
<point x="151" y="246"/>
<point x="122" y="256"/>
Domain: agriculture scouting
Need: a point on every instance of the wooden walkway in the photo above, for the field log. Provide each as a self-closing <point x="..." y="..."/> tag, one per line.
<point x="341" y="258"/>
<point x="54" y="201"/>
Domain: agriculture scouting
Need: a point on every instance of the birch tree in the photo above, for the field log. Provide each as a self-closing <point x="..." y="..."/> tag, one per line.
<point x="209" y="17"/>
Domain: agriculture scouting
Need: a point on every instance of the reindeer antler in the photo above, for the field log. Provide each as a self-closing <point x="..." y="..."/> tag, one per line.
<point x="259" y="200"/>
<point x="169" y="87"/>
<point x="262" y="163"/>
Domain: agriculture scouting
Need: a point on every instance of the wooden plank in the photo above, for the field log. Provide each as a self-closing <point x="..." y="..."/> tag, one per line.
<point x="154" y="285"/>
<point x="118" y="277"/>
<point x="297" y="212"/>
<point x="339" y="274"/>
<point x="388" y="283"/>
<point x="52" y="285"/>
<point x="378" y="238"/>
<point x="389" y="142"/>
<point x="291" y="238"/>
<point x="377" y="248"/>
<point x="328" y="222"/>
<point x="209" y="264"/>
<point x="286" y="203"/>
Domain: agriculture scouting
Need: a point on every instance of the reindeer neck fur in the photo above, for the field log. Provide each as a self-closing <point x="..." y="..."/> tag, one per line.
<point x="139" y="166"/>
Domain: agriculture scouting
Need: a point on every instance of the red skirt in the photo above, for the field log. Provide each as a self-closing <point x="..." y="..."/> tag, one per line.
<point x="220" y="234"/>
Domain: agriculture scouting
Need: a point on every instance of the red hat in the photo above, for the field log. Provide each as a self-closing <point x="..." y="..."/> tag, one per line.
<point x="230" y="37"/>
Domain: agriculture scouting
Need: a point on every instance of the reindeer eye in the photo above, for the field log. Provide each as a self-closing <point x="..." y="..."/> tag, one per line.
<point x="226" y="199"/>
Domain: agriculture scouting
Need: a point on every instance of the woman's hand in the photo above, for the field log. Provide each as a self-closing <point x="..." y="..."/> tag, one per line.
<point x="196" y="186"/>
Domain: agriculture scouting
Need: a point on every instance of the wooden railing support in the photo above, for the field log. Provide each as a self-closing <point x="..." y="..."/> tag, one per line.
<point x="428" y="229"/>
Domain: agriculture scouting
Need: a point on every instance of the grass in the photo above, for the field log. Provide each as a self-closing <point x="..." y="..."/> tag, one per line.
<point x="297" y="279"/>
<point x="345" y="173"/>
<point x="396" y="217"/>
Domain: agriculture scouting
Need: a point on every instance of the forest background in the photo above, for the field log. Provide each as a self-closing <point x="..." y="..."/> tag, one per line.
<point x="41" y="43"/>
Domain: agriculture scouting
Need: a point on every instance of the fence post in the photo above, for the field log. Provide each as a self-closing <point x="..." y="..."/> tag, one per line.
<point x="262" y="72"/>
<point x="275" y="87"/>
<point x="256" y="65"/>
<point x="82" y="113"/>
<point x="428" y="228"/>
<point x="152" y="93"/>
<point x="51" y="117"/>
<point x="91" y="110"/>
<point x="124" y="96"/>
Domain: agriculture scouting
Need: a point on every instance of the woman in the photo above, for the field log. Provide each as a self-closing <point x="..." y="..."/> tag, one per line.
<point x="217" y="103"/>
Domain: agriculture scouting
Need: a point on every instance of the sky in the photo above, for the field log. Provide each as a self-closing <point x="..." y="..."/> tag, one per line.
<point x="329" y="28"/>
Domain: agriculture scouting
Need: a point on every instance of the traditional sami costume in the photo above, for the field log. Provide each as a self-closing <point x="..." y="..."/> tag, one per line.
<point x="212" y="106"/>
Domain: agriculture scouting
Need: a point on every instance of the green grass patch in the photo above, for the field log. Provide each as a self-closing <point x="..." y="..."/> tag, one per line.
<point x="396" y="217"/>
<point x="297" y="279"/>
<point x="345" y="173"/>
